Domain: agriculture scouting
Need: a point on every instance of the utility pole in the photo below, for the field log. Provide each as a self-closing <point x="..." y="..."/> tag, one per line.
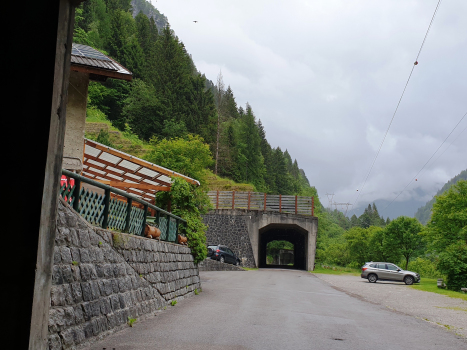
<point x="346" y="206"/>
<point x="330" y="195"/>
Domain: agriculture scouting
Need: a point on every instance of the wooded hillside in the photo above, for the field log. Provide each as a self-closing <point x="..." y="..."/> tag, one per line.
<point x="423" y="214"/>
<point x="169" y="98"/>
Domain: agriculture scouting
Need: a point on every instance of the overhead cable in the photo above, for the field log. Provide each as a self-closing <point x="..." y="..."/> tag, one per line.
<point x="398" y="104"/>
<point x="416" y="175"/>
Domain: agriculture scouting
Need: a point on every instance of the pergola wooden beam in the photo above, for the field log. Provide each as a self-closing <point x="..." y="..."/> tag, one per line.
<point x="138" y="161"/>
<point x="116" y="166"/>
<point x="122" y="184"/>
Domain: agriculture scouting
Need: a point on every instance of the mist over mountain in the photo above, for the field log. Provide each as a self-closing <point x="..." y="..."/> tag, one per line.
<point x="420" y="209"/>
<point x="423" y="213"/>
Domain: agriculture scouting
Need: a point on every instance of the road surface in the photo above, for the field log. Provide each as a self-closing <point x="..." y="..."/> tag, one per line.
<point x="278" y="309"/>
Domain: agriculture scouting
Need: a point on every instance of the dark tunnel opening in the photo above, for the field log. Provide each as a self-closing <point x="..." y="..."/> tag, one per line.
<point x="290" y="233"/>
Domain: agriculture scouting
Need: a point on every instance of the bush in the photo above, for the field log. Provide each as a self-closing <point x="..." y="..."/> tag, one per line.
<point x="453" y="262"/>
<point x="424" y="267"/>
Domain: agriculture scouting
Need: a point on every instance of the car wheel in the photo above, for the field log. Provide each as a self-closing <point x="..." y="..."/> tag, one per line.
<point x="408" y="280"/>
<point x="372" y="278"/>
<point x="222" y="260"/>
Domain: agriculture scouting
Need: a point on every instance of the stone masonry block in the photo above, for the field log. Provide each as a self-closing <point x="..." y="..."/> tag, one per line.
<point x="57" y="255"/>
<point x="57" y="275"/>
<point x="84" y="255"/>
<point x="79" y="315"/>
<point x="114" y="302"/>
<point x="57" y="297"/>
<point x="87" y="292"/>
<point x="75" y="254"/>
<point x="56" y="319"/>
<point x="78" y="335"/>
<point x="67" y="275"/>
<point x="54" y="342"/>
<point x="84" y="239"/>
<point x="67" y="338"/>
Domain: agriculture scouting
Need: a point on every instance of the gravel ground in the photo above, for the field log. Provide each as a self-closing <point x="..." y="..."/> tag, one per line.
<point x="449" y="313"/>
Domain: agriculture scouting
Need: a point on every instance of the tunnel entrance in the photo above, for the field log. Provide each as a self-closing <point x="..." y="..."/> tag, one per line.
<point x="295" y="235"/>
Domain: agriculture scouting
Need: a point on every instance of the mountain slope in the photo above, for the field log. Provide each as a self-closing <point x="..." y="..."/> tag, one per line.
<point x="423" y="214"/>
<point x="149" y="10"/>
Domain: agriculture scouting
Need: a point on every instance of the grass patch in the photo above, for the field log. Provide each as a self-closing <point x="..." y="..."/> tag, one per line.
<point x="336" y="270"/>
<point x="217" y="183"/>
<point x="250" y="268"/>
<point x="457" y="308"/>
<point x="430" y="285"/>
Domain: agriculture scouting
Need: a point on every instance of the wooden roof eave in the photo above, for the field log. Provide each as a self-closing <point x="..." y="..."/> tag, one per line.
<point x="100" y="72"/>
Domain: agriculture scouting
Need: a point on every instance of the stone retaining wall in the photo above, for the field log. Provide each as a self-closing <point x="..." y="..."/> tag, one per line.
<point x="214" y="265"/>
<point x="100" y="279"/>
<point x="232" y="231"/>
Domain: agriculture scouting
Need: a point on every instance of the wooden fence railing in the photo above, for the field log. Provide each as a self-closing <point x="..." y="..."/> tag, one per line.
<point x="262" y="201"/>
<point x="115" y="209"/>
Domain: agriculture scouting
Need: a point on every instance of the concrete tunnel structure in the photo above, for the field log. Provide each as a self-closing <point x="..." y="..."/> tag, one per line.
<point x="247" y="233"/>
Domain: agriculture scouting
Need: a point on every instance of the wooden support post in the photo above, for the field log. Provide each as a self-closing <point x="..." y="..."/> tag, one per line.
<point x="249" y="199"/>
<point x="312" y="206"/>
<point x="105" y="222"/>
<point x="217" y="200"/>
<point x="296" y="206"/>
<point x="128" y="215"/>
<point x="144" y="219"/>
<point x="265" y="198"/>
<point x="280" y="203"/>
<point x="76" y="195"/>
<point x="233" y="199"/>
<point x="177" y="223"/>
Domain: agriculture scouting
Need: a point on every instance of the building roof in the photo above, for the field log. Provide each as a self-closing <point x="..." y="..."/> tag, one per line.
<point x="127" y="172"/>
<point x="89" y="60"/>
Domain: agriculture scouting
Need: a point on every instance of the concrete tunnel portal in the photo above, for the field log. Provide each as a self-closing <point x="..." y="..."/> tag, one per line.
<point x="284" y="232"/>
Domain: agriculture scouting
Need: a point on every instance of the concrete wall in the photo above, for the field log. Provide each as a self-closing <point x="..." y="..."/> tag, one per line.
<point x="240" y="230"/>
<point x="100" y="279"/>
<point x="75" y="119"/>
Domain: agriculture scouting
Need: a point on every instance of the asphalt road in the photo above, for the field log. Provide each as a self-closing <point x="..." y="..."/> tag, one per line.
<point x="278" y="309"/>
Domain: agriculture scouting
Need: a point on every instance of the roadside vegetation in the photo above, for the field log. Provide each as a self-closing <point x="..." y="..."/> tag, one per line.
<point x="437" y="250"/>
<point x="430" y="285"/>
<point x="171" y="114"/>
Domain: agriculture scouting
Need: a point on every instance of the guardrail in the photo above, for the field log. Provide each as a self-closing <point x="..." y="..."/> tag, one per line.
<point x="114" y="213"/>
<point x="262" y="201"/>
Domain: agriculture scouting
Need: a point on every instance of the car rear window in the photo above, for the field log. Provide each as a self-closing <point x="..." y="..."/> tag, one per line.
<point x="372" y="265"/>
<point x="213" y="247"/>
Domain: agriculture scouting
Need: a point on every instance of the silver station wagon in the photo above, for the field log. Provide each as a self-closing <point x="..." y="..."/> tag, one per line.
<point x="385" y="271"/>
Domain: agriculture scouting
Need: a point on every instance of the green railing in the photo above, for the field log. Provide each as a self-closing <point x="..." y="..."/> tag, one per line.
<point x="112" y="213"/>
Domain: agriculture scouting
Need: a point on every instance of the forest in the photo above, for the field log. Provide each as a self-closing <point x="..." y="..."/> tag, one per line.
<point x="181" y="120"/>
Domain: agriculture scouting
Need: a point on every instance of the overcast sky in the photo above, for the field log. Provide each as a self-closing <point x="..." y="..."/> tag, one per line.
<point x="325" y="77"/>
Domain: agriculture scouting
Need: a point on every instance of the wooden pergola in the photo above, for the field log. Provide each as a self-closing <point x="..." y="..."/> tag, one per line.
<point x="126" y="172"/>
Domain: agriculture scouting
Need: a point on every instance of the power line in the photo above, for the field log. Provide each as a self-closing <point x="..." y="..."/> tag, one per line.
<point x="416" y="175"/>
<point x="398" y="104"/>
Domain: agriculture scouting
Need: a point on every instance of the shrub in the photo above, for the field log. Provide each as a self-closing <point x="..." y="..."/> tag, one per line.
<point x="424" y="267"/>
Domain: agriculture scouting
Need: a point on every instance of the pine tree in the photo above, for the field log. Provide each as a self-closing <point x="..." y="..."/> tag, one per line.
<point x="267" y="153"/>
<point x="283" y="179"/>
<point x="250" y="165"/>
